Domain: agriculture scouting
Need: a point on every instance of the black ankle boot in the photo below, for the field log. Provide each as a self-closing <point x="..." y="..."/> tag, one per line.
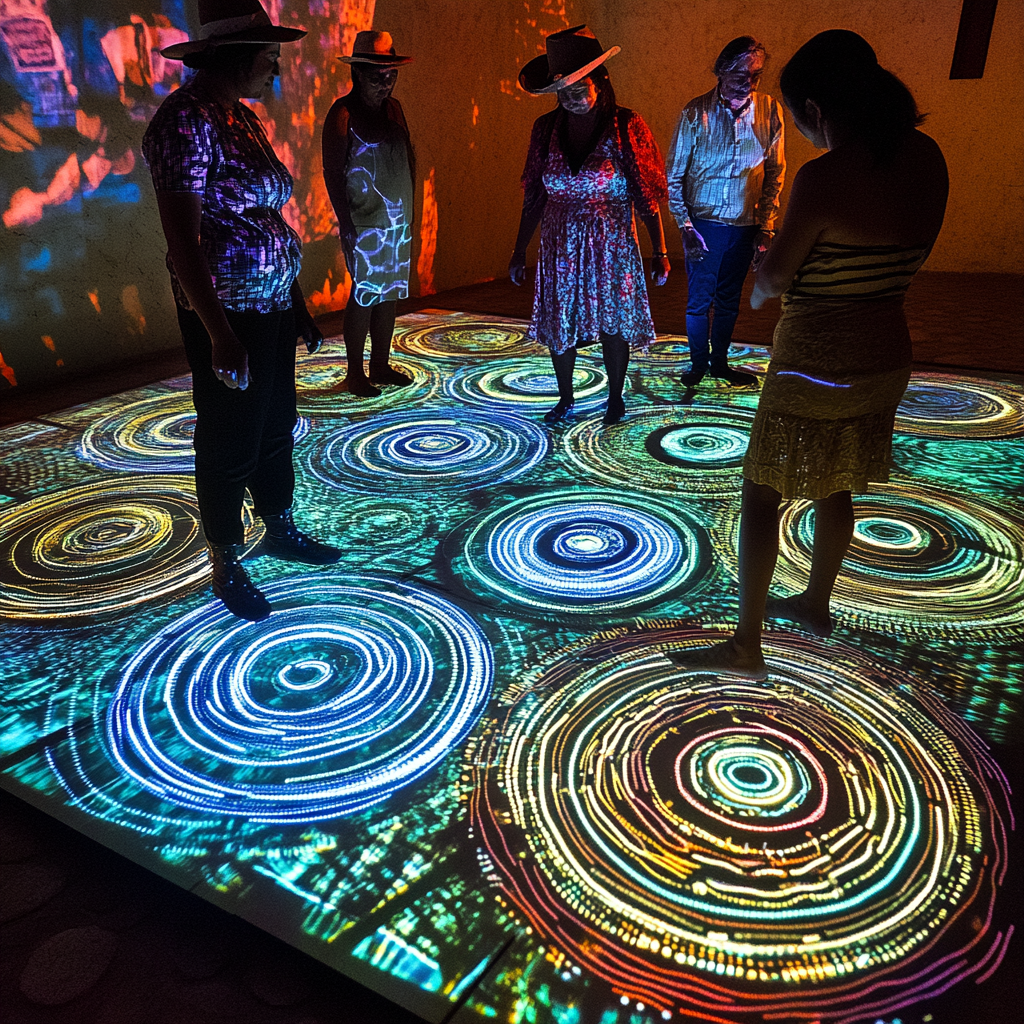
<point x="285" y="540"/>
<point x="232" y="585"/>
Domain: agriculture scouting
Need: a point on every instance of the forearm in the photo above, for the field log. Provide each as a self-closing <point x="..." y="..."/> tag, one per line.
<point x="655" y="231"/>
<point x="529" y="221"/>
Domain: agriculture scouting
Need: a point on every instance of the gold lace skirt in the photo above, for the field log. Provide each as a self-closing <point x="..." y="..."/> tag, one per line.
<point x="825" y="419"/>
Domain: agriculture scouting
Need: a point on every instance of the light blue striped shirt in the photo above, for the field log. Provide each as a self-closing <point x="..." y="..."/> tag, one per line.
<point x="724" y="167"/>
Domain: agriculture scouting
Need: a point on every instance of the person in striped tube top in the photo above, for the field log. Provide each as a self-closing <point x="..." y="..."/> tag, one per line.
<point x="861" y="221"/>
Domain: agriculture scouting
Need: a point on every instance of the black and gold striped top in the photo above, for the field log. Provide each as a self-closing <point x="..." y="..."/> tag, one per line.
<point x="857" y="271"/>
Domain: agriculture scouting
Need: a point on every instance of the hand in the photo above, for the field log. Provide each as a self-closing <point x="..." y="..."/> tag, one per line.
<point x="517" y="268"/>
<point x="693" y="245"/>
<point x="230" y="361"/>
<point x="761" y="246"/>
<point x="660" y="268"/>
<point x="758" y="297"/>
<point x="308" y="330"/>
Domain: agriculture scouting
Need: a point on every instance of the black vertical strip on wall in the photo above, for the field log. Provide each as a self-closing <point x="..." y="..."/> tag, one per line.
<point x="972" y="38"/>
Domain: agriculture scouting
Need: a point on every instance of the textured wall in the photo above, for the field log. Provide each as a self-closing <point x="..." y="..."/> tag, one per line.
<point x="668" y="47"/>
<point x="82" y="281"/>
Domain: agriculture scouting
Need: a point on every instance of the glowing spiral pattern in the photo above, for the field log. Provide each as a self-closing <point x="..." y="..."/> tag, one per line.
<point x="920" y="560"/>
<point x="152" y="435"/>
<point x="462" y="338"/>
<point x="101" y="548"/>
<point x="439" y="451"/>
<point x="318" y="377"/>
<point x="583" y="554"/>
<point x="944" y="405"/>
<point x="524" y="385"/>
<point x="346" y="694"/>
<point x="710" y="846"/>
<point x="684" y="449"/>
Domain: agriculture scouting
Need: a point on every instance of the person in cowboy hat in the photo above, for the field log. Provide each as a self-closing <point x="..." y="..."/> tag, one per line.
<point x="590" y="163"/>
<point x="234" y="266"/>
<point x="369" y="173"/>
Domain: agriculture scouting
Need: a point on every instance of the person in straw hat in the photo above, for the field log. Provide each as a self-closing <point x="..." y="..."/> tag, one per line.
<point x="369" y="173"/>
<point x="234" y="266"/>
<point x="590" y="164"/>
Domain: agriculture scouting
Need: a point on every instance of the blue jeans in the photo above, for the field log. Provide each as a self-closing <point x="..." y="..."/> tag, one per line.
<point x="715" y="283"/>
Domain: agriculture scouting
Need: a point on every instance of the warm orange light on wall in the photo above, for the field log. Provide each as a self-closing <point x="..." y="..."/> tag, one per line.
<point x="7" y="373"/>
<point x="428" y="237"/>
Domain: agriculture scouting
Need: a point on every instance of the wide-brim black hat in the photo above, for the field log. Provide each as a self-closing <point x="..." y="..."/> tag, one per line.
<point x="571" y="55"/>
<point x="232" y="22"/>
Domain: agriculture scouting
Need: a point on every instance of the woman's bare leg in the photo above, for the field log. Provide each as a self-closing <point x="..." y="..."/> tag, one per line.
<point x="356" y="325"/>
<point x="833" y="531"/>
<point x="382" y="329"/>
<point x="759" y="550"/>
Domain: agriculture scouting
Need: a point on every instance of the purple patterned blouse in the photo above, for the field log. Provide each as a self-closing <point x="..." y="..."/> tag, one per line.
<point x="195" y="145"/>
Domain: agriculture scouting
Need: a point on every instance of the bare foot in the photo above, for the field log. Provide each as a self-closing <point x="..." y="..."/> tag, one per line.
<point x="725" y="657"/>
<point x="797" y="609"/>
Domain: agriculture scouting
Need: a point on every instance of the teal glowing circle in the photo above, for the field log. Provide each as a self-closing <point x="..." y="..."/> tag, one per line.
<point x="895" y="534"/>
<point x="700" y="444"/>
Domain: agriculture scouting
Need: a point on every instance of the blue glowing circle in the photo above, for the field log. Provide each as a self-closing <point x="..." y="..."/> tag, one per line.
<point x="152" y="435"/>
<point x="693" y="450"/>
<point x="582" y="554"/>
<point x="700" y="445"/>
<point x="346" y="694"/>
<point x="435" y="450"/>
<point x="522" y="385"/>
<point x="944" y="405"/>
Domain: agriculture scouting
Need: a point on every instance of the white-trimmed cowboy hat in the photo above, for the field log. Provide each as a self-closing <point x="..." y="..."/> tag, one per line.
<point x="375" y="48"/>
<point x="227" y="22"/>
<point x="571" y="55"/>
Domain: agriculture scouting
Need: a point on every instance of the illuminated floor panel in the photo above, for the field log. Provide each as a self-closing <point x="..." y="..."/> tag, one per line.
<point x="461" y="747"/>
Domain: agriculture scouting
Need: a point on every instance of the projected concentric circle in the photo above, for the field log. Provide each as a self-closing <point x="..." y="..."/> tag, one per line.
<point x="712" y="846"/>
<point x="153" y="435"/>
<point x="524" y="385"/>
<point x="462" y="339"/>
<point x="943" y="405"/>
<point x="101" y="548"/>
<point x="921" y="560"/>
<point x="346" y="694"/>
<point x="439" y="451"/>
<point x="319" y="377"/>
<point x="684" y="449"/>
<point x="598" y="552"/>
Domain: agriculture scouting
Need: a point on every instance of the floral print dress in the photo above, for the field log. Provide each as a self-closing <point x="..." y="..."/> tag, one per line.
<point x="590" y="277"/>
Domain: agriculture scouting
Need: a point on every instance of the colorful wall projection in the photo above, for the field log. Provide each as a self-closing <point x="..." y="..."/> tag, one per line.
<point x="81" y="252"/>
<point x="457" y="764"/>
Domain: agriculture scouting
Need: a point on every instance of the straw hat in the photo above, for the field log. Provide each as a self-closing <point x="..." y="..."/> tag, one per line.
<point x="375" y="48"/>
<point x="571" y="55"/>
<point x="230" y="22"/>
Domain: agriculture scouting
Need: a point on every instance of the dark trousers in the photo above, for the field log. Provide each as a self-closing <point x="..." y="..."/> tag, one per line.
<point x="715" y="284"/>
<point x="243" y="439"/>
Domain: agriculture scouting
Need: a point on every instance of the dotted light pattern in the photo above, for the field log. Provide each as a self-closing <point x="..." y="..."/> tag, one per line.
<point x="461" y="338"/>
<point x="584" y="553"/>
<point x="806" y="846"/>
<point x="153" y="435"/>
<point x="944" y="405"/>
<point x="525" y="385"/>
<point x="347" y="693"/>
<point x="920" y="560"/>
<point x="435" y="450"/>
<point x="694" y="450"/>
<point x="102" y="548"/>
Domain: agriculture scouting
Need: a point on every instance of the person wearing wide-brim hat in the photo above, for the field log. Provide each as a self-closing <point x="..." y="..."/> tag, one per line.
<point x="370" y="175"/>
<point x="234" y="266"/>
<point x="590" y="164"/>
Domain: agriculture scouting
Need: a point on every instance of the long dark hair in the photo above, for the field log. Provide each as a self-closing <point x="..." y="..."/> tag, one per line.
<point x="605" y="93"/>
<point x="838" y="70"/>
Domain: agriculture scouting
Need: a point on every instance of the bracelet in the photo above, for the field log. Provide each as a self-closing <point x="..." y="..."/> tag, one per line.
<point x="659" y="255"/>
